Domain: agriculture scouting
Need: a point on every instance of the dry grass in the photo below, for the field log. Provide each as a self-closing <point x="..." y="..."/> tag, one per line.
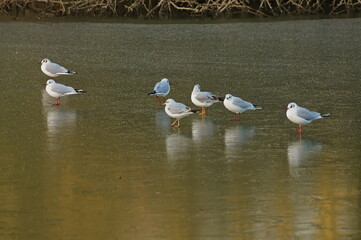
<point x="177" y="8"/>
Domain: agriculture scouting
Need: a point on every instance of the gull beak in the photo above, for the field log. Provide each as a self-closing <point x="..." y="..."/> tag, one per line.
<point x="163" y="104"/>
<point x="45" y="84"/>
<point x="286" y="108"/>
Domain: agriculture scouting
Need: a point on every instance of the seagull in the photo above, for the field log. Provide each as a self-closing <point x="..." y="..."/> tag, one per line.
<point x="161" y="88"/>
<point x="203" y="99"/>
<point x="302" y="116"/>
<point x="58" y="90"/>
<point x="177" y="110"/>
<point x="53" y="69"/>
<point x="238" y="106"/>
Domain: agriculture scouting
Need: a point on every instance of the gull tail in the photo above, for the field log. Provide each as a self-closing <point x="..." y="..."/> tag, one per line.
<point x="195" y="110"/>
<point x="257" y="107"/>
<point x="326" y="115"/>
<point x="152" y="93"/>
<point x="80" y="91"/>
<point x="67" y="73"/>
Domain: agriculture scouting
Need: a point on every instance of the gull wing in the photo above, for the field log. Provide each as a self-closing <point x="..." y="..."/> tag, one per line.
<point x="205" y="97"/>
<point x="62" y="89"/>
<point x="242" y="103"/>
<point x="161" y="87"/>
<point x="178" y="108"/>
<point x="55" y="68"/>
<point x="307" y="114"/>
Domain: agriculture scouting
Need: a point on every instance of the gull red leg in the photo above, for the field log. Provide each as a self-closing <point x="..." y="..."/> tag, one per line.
<point x="57" y="101"/>
<point x="300" y="129"/>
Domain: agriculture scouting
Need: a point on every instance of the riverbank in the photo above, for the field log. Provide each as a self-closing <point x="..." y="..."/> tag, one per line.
<point x="177" y="9"/>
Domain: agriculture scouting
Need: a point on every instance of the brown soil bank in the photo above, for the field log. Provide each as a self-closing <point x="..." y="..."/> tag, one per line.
<point x="177" y="8"/>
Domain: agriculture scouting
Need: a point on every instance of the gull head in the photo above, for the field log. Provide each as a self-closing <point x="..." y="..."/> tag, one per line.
<point x="228" y="96"/>
<point x="45" y="60"/>
<point x="291" y="105"/>
<point x="197" y="88"/>
<point x="169" y="101"/>
<point x="165" y="80"/>
<point x="50" y="81"/>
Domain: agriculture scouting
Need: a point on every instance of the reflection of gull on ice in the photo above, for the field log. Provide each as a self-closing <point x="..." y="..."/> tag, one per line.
<point x="234" y="137"/>
<point x="60" y="122"/>
<point x="201" y="128"/>
<point x="301" y="150"/>
<point x="177" y="146"/>
<point x="162" y="120"/>
<point x="57" y="118"/>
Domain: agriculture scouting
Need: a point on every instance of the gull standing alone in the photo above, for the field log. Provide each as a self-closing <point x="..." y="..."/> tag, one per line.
<point x="58" y="90"/>
<point x="203" y="99"/>
<point x="162" y="89"/>
<point x="53" y="69"/>
<point x="177" y="110"/>
<point x="302" y="116"/>
<point x="238" y="106"/>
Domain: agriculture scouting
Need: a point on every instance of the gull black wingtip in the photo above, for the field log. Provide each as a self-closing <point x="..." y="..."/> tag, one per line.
<point x="257" y="106"/>
<point x="80" y="90"/>
<point x="195" y="110"/>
